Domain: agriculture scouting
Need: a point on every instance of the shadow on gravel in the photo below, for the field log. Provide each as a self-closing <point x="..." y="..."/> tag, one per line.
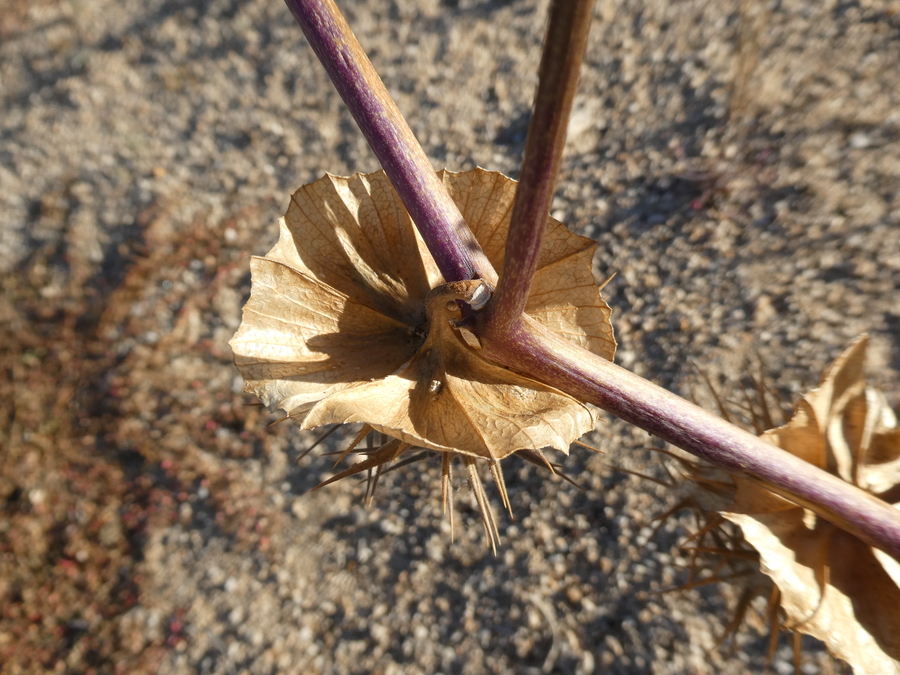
<point x="115" y="391"/>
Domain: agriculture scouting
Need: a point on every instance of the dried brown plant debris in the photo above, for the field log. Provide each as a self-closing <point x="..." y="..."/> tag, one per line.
<point x="349" y="320"/>
<point x="114" y="390"/>
<point x="67" y="541"/>
<point x="827" y="582"/>
<point x="832" y="585"/>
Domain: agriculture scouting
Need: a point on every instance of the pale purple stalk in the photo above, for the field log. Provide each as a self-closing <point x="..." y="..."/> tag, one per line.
<point x="511" y="338"/>
<point x="458" y="256"/>
<point x="567" y="32"/>
<point x="531" y="349"/>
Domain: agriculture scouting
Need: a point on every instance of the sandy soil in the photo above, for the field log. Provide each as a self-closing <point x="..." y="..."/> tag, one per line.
<point x="737" y="163"/>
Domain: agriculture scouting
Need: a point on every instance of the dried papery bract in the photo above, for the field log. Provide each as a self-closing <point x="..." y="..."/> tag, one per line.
<point x="832" y="585"/>
<point x="350" y="321"/>
<point x="822" y="580"/>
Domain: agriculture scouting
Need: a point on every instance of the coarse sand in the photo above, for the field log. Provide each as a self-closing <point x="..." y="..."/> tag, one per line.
<point x="737" y="162"/>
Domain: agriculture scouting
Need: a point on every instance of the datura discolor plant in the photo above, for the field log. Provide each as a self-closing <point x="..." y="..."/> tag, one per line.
<point x="449" y="312"/>
<point x="499" y="329"/>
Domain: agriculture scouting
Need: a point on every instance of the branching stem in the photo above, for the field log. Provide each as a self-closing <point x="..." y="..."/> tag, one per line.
<point x="458" y="256"/>
<point x="510" y="337"/>
<point x="531" y="349"/>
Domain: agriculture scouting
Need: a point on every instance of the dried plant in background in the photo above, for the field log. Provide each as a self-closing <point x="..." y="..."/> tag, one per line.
<point x="832" y="585"/>
<point x="827" y="582"/>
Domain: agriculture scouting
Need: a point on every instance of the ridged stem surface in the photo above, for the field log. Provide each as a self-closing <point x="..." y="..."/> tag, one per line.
<point x="564" y="45"/>
<point x="458" y="256"/>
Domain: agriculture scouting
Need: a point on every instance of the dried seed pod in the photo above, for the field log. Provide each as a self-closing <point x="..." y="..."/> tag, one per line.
<point x="350" y="321"/>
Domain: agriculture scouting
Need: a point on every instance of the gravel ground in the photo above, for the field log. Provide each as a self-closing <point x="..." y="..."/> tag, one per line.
<point x="737" y="163"/>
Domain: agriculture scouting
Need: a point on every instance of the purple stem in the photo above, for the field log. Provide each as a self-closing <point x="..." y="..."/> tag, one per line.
<point x="567" y="33"/>
<point x="531" y="349"/>
<point x="458" y="256"/>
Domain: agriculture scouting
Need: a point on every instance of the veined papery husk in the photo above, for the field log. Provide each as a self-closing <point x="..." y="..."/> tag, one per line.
<point x="832" y="585"/>
<point x="337" y="329"/>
